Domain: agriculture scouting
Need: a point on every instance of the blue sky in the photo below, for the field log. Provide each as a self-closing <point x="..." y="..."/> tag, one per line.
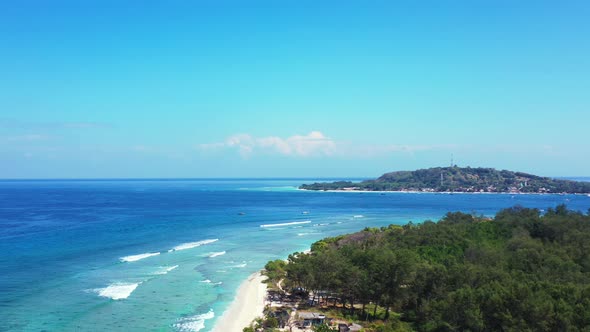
<point x="292" y="88"/>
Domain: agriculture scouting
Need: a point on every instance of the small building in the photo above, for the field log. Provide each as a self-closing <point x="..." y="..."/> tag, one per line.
<point x="312" y="318"/>
<point x="349" y="328"/>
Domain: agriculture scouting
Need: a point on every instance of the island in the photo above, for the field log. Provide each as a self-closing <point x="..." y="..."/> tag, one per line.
<point x="458" y="179"/>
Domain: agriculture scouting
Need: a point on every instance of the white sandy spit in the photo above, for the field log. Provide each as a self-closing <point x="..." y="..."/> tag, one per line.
<point x="248" y="304"/>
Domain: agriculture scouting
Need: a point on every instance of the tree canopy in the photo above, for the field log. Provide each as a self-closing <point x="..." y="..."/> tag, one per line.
<point x="520" y="271"/>
<point x="459" y="179"/>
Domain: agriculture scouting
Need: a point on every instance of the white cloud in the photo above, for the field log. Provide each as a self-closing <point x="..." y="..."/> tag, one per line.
<point x="313" y="144"/>
<point x="211" y="146"/>
<point x="316" y="144"/>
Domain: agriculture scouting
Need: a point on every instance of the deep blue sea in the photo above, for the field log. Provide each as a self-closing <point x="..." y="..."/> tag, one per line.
<point x="169" y="255"/>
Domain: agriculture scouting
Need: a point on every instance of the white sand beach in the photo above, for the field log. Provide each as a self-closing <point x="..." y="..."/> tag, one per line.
<point x="248" y="304"/>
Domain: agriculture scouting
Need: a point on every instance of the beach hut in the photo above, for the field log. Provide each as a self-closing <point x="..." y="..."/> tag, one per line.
<point x="312" y="318"/>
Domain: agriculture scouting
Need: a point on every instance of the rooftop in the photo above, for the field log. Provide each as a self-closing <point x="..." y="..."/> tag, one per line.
<point x="311" y="315"/>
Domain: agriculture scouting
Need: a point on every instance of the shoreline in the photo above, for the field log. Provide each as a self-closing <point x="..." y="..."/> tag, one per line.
<point x="246" y="306"/>
<point x="437" y="192"/>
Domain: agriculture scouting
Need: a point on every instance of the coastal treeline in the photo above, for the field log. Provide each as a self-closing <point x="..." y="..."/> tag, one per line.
<point x="520" y="271"/>
<point x="459" y="179"/>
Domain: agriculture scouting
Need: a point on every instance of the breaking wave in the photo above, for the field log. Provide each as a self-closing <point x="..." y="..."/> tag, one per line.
<point x="190" y="245"/>
<point x="286" y="224"/>
<point x="118" y="290"/>
<point x="165" y="269"/>
<point x="215" y="254"/>
<point x="193" y="323"/>
<point x="207" y="281"/>
<point x="134" y="258"/>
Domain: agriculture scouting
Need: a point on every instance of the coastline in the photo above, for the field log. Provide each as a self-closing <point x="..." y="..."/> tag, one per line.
<point x="246" y="306"/>
<point x="437" y="192"/>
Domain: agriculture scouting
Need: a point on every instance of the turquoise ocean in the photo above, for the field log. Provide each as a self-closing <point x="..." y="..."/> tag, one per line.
<point x="169" y="255"/>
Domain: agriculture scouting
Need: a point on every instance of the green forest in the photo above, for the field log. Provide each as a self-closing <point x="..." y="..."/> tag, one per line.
<point x="519" y="271"/>
<point x="459" y="179"/>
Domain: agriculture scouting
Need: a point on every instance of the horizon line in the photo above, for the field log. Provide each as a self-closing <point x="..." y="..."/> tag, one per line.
<point x="221" y="178"/>
<point x="185" y="178"/>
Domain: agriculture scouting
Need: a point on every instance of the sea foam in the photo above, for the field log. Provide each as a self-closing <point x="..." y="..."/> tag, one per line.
<point x="193" y="323"/>
<point x="215" y="254"/>
<point x="134" y="258"/>
<point x="190" y="245"/>
<point x="207" y="281"/>
<point x="165" y="269"/>
<point x="118" y="291"/>
<point x="286" y="224"/>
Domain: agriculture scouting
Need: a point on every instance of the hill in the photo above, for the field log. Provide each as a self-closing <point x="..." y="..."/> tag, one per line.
<point x="459" y="179"/>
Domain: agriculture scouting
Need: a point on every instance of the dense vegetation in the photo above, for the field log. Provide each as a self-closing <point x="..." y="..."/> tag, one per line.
<point x="458" y="179"/>
<point x="521" y="271"/>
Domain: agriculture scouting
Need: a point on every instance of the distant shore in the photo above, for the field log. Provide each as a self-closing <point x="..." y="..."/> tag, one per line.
<point x="246" y="306"/>
<point x="456" y="179"/>
<point x="436" y="192"/>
